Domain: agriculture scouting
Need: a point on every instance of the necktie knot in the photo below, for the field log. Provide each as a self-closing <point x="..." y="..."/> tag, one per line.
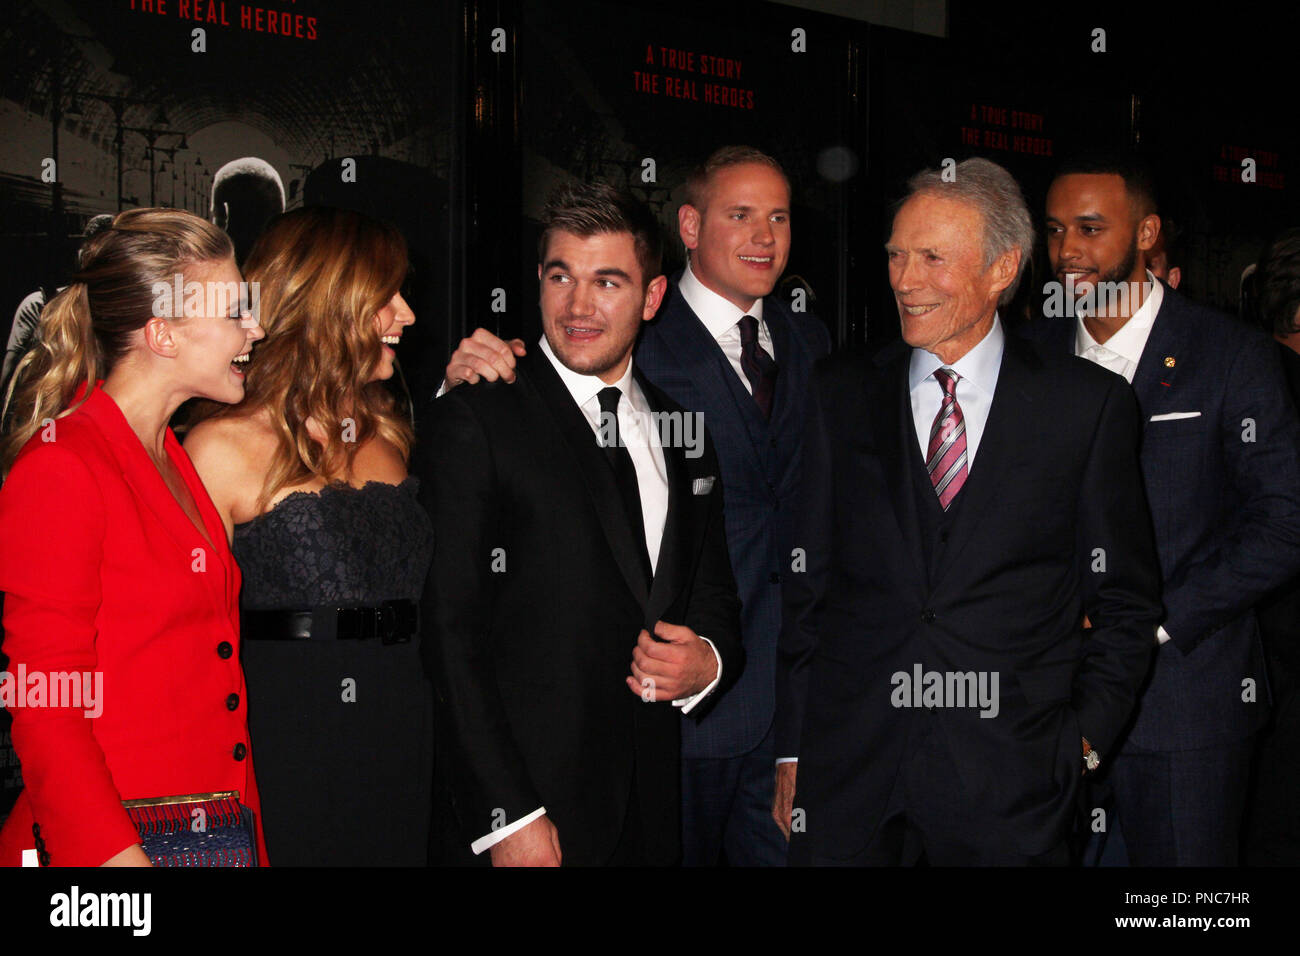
<point x="609" y="398"/>
<point x="748" y="331"/>
<point x="947" y="381"/>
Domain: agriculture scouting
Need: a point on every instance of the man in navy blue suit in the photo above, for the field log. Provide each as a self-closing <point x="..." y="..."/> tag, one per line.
<point x="1221" y="464"/>
<point x="723" y="346"/>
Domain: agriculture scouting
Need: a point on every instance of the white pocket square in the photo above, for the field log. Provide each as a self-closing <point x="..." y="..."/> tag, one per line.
<point x="702" y="486"/>
<point x="1174" y="416"/>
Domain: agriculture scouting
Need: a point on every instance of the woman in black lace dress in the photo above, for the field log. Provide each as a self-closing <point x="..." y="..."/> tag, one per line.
<point x="309" y="475"/>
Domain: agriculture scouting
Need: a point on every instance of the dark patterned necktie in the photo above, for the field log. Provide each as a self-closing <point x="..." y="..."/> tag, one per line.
<point x="759" y="367"/>
<point x="946" y="459"/>
<point x="624" y="471"/>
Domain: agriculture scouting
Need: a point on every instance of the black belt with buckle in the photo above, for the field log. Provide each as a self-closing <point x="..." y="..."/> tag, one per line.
<point x="393" y="622"/>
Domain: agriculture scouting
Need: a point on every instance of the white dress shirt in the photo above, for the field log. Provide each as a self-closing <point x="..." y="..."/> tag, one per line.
<point x="978" y="369"/>
<point x="638" y="434"/>
<point x="722" y="320"/>
<point x="1122" y="352"/>
<point x="637" y="430"/>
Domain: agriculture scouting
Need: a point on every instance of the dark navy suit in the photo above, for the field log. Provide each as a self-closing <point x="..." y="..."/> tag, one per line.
<point x="759" y="462"/>
<point x="1224" y="491"/>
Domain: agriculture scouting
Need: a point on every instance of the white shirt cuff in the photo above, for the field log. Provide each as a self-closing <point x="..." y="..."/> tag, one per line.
<point x="781" y="760"/>
<point x="686" y="703"/>
<point x="1161" y="635"/>
<point x="442" y="389"/>
<point x="496" y="836"/>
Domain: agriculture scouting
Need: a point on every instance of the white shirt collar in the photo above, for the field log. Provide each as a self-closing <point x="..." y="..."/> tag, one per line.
<point x="718" y="315"/>
<point x="584" y="388"/>
<point x="979" y="366"/>
<point x="1132" y="336"/>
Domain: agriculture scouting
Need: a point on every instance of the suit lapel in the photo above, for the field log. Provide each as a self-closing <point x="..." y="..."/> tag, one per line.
<point x="997" y="451"/>
<point x="1154" y="376"/>
<point x="699" y="354"/>
<point x="782" y="343"/>
<point x="674" y="548"/>
<point x="211" y="520"/>
<point x="152" y="491"/>
<point x="895" y="442"/>
<point x="596" y="474"/>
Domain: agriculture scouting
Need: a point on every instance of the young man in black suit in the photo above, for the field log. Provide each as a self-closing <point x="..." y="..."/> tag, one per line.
<point x="1221" y="463"/>
<point x="723" y="345"/>
<point x="581" y="596"/>
<point x="967" y="500"/>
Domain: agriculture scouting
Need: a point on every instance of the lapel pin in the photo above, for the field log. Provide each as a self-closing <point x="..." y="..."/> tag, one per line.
<point x="1170" y="362"/>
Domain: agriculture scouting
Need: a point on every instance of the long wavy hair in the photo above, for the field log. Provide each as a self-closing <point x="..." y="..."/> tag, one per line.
<point x="322" y="275"/>
<point x="87" y="328"/>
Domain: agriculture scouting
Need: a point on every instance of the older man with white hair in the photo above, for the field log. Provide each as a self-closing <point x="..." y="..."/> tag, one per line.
<point x="966" y="501"/>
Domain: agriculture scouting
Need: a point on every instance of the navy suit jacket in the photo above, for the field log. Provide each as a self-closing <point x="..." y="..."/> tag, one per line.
<point x="760" y="469"/>
<point x="1224" y="490"/>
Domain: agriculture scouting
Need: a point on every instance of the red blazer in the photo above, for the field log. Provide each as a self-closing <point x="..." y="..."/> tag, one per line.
<point x="103" y="571"/>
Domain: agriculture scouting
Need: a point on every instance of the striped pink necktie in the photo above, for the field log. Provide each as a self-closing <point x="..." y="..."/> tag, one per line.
<point x="946" y="459"/>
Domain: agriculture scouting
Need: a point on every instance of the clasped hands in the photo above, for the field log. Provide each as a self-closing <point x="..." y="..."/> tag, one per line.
<point x="679" y="664"/>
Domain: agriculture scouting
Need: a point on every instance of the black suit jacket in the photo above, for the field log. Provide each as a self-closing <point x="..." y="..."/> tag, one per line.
<point x="1224" y="487"/>
<point x="536" y="599"/>
<point x="1056" y="478"/>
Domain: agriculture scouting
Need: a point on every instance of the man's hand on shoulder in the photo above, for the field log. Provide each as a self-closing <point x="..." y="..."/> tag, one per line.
<point x="537" y="844"/>
<point x="681" y="664"/>
<point x="483" y="356"/>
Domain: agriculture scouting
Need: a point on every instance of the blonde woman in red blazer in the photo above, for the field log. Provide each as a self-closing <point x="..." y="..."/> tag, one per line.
<point x="112" y="558"/>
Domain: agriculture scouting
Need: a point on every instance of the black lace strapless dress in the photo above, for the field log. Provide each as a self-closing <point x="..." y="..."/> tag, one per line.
<point x="342" y="729"/>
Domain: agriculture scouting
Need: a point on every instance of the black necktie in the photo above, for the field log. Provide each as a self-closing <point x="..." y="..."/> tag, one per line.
<point x="759" y="367"/>
<point x="624" y="471"/>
